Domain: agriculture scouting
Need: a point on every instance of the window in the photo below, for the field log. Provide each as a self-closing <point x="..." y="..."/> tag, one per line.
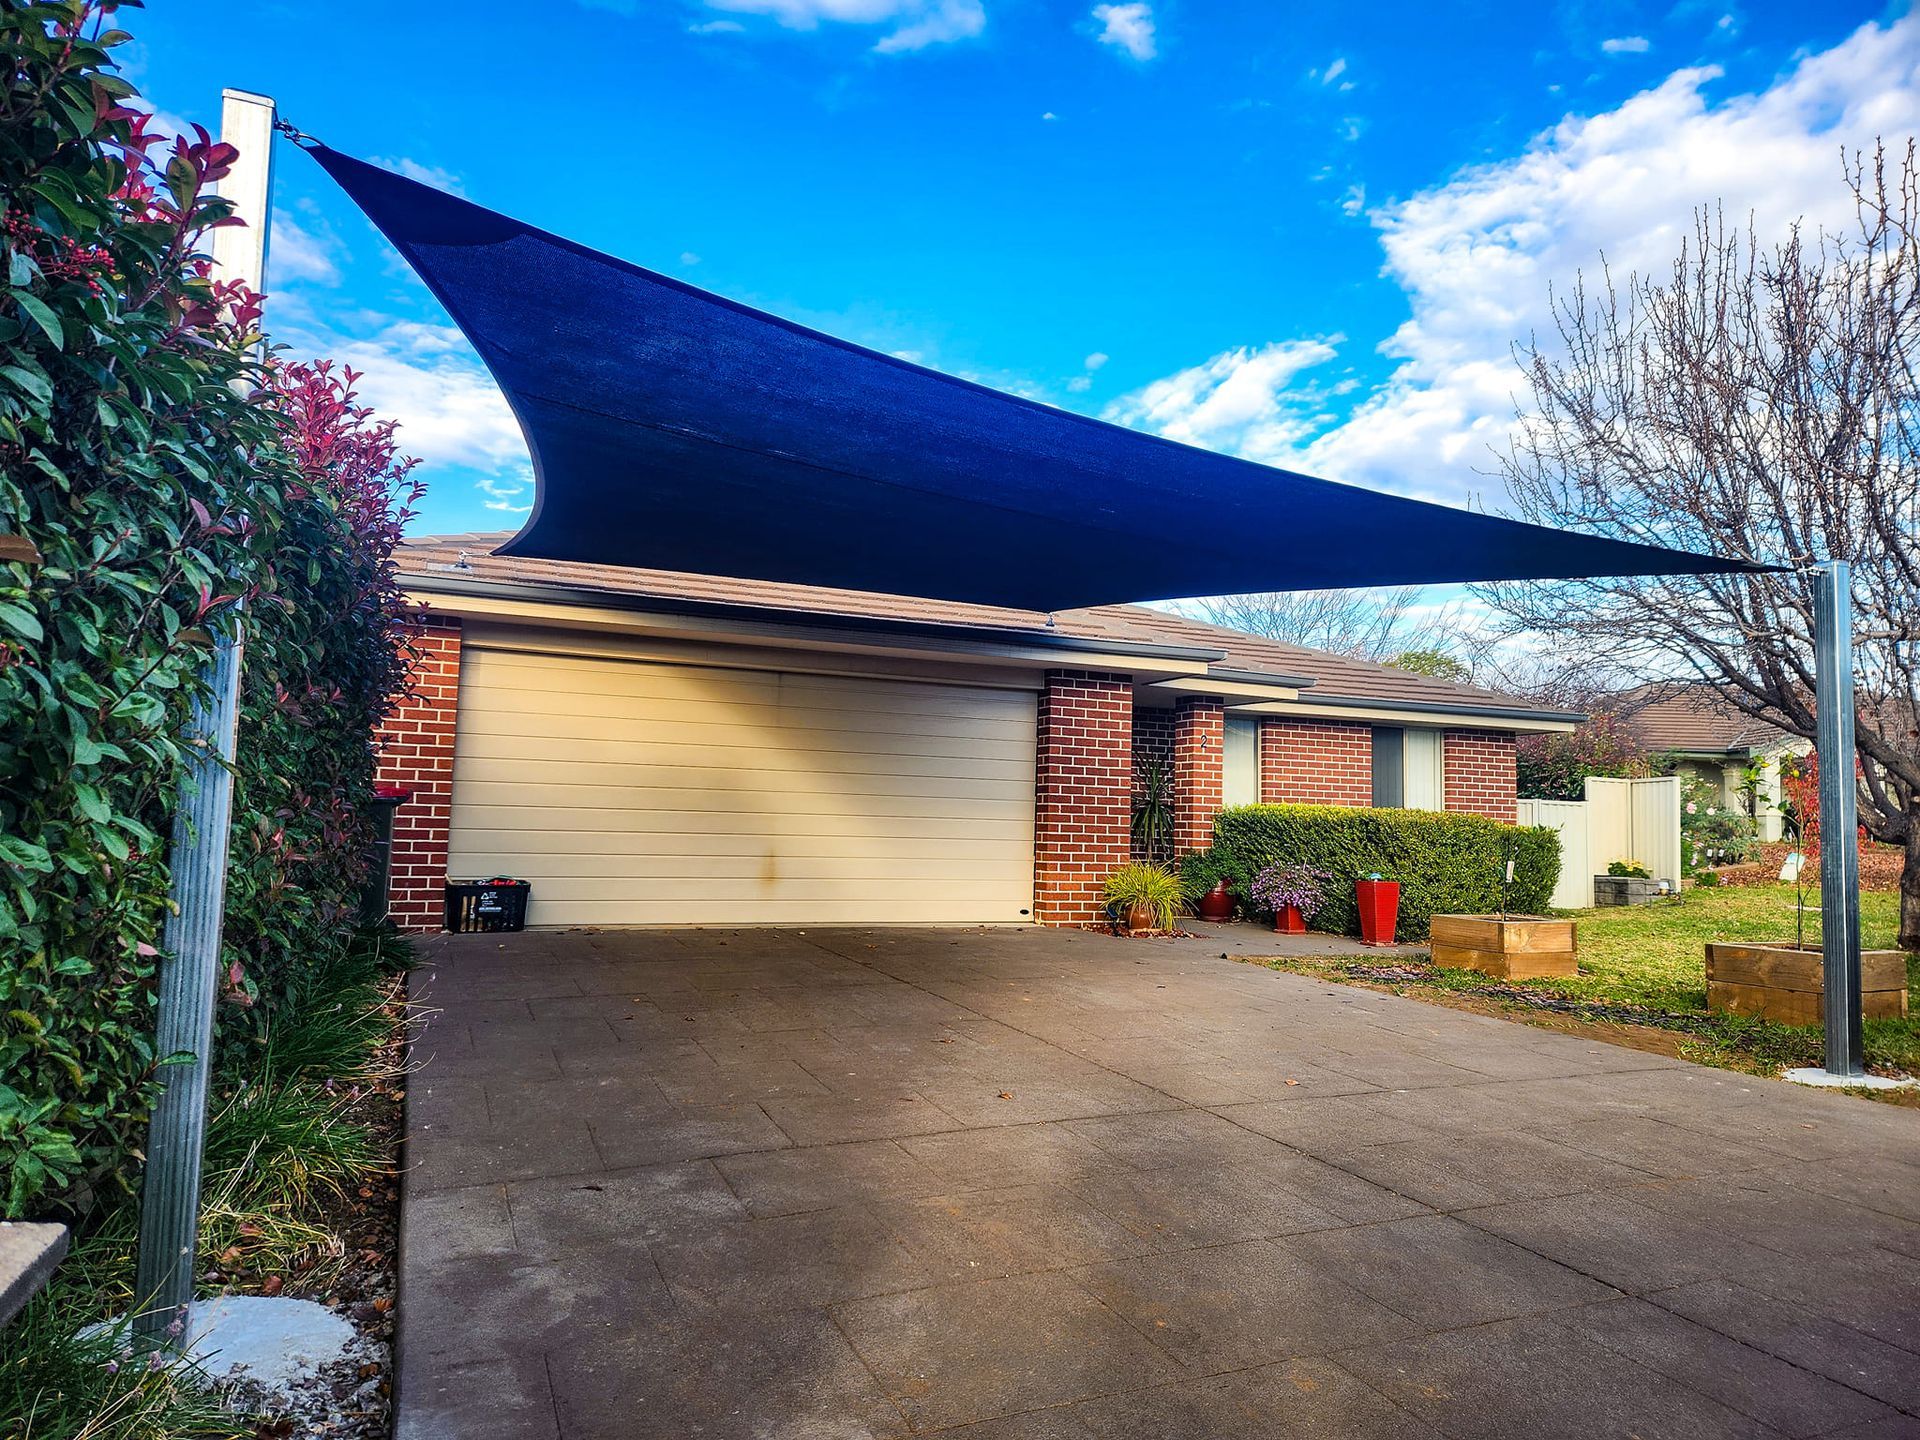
<point x="1242" y="759"/>
<point x="1409" y="769"/>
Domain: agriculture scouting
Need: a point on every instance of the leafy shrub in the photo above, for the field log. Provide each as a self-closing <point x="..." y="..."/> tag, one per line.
<point x="1628" y="870"/>
<point x="1556" y="767"/>
<point x="1147" y="885"/>
<point x="1711" y="832"/>
<point x="176" y="483"/>
<point x="1201" y="870"/>
<point x="1445" y="863"/>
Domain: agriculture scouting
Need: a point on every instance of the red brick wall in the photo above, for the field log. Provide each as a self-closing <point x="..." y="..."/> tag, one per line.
<point x="1316" y="762"/>
<point x="416" y="754"/>
<point x="1152" y="740"/>
<point x="1083" y="800"/>
<point x="1199" y="770"/>
<point x="1480" y="774"/>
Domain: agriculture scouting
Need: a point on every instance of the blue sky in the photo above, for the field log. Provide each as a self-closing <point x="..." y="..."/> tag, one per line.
<point x="1304" y="234"/>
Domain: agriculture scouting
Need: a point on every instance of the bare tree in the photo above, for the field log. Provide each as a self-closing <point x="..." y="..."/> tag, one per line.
<point x="1367" y="625"/>
<point x="1757" y="401"/>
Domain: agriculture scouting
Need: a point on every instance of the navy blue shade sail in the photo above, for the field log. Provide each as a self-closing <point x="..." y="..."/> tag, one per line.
<point x="674" y="429"/>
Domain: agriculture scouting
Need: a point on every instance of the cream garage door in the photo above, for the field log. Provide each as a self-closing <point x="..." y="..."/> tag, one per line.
<point x="638" y="793"/>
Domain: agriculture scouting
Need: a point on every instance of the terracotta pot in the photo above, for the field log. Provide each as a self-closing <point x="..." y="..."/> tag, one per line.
<point x="1217" y="903"/>
<point x="1379" y="910"/>
<point x="1140" y="916"/>
<point x="1289" y="921"/>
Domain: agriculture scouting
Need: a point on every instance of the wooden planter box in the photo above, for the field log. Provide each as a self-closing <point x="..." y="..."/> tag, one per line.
<point x="1785" y="983"/>
<point x="1517" y="947"/>
<point x="1624" y="890"/>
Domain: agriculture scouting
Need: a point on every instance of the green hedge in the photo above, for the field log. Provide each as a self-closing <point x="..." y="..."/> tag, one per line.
<point x="1446" y="864"/>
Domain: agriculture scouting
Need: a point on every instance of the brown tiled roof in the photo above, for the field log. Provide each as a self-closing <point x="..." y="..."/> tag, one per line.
<point x="1692" y="717"/>
<point x="1334" y="676"/>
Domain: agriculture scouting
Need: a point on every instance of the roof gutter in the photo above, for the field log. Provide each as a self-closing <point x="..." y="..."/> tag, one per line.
<point x="442" y="583"/>
<point x="1432" y="707"/>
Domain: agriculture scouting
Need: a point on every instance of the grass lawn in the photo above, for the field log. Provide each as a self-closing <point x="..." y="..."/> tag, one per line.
<point x="1646" y="965"/>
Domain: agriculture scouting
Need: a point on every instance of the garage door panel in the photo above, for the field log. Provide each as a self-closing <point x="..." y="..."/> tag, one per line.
<point x="523" y="677"/>
<point x="847" y="795"/>
<point x="730" y="890"/>
<point x="645" y="793"/>
<point x="959" y="872"/>
<point x="652" y="829"/>
<point x="902" y="908"/>
<point x="612" y="718"/>
<point x="726" y="709"/>
<point x="673" y="767"/>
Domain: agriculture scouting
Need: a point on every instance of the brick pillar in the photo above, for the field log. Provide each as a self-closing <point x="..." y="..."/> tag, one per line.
<point x="1199" y="770"/>
<point x="1316" y="762"/>
<point x="416" y="754"/>
<point x="1083" y="817"/>
<point x="1480" y="776"/>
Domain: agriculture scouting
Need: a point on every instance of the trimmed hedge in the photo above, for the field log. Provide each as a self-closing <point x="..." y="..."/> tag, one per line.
<point x="1447" y="864"/>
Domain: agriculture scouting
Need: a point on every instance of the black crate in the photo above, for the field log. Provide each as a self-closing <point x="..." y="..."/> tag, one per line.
<point x="492" y="905"/>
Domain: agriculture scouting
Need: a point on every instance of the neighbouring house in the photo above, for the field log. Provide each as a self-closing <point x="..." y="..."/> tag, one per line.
<point x="650" y="747"/>
<point x="1707" y="736"/>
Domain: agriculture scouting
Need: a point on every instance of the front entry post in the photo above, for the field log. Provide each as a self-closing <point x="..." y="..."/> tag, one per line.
<point x="1839" y="820"/>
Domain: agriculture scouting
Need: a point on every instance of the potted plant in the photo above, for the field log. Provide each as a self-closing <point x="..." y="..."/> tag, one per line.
<point x="1206" y="878"/>
<point x="1153" y="809"/>
<point x="1292" y="892"/>
<point x="1379" y="901"/>
<point x="1142" y="898"/>
<point x="1506" y="946"/>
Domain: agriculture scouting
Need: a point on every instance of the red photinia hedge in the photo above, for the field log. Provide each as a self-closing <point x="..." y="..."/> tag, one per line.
<point x="173" y="481"/>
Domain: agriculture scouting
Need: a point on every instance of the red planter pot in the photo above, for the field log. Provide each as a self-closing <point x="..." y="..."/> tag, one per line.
<point x="1287" y="920"/>
<point x="1217" y="903"/>
<point x="1379" y="910"/>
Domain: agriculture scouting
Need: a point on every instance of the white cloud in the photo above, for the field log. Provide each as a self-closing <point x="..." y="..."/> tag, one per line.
<point x="1130" y="27"/>
<point x="1626" y="45"/>
<point x="943" y="21"/>
<point x="1080" y="384"/>
<point x="1334" y="71"/>
<point x="1477" y="256"/>
<point x="1241" y="401"/>
<point x="1353" y="203"/>
<point x="296" y="253"/>
<point x="1049" y="115"/>
<point x="716" y="27"/>
<point x="427" y="377"/>
<point x="509" y="493"/>
<point x="916" y="23"/>
<point x="433" y="175"/>
<point x="687" y="257"/>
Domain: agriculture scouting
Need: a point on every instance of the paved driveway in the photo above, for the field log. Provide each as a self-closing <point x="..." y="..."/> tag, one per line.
<point x="1030" y="1185"/>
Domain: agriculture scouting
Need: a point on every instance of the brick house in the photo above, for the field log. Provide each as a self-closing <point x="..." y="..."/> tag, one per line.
<point x="650" y="747"/>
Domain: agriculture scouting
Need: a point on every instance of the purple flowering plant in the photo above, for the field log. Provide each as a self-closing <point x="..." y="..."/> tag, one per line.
<point x="1278" y="886"/>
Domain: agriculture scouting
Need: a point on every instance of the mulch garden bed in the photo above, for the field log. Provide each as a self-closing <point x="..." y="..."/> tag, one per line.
<point x="1879" y="866"/>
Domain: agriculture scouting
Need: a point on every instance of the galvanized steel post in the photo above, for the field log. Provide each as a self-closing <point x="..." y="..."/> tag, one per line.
<point x="1839" y="820"/>
<point x="203" y="814"/>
